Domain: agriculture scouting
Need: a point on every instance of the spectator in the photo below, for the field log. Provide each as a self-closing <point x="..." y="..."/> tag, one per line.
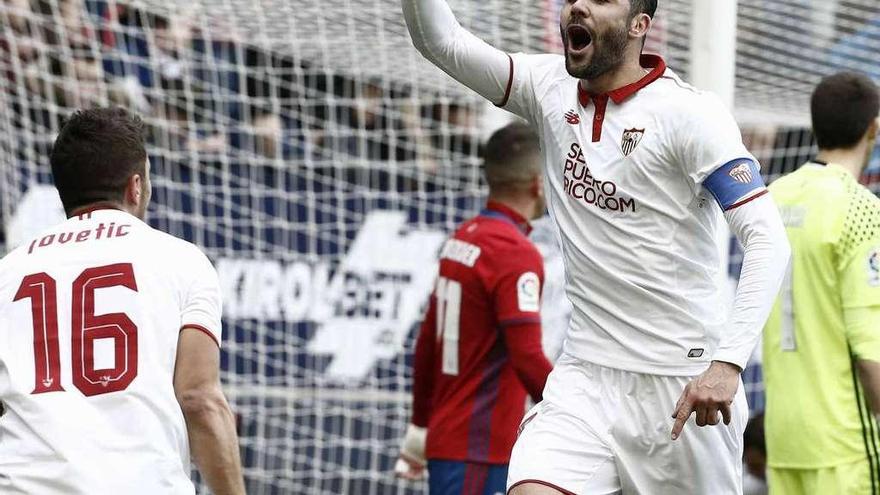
<point x="372" y="127"/>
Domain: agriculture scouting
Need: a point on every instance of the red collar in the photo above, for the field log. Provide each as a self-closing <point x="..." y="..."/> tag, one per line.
<point x="84" y="210"/>
<point x="517" y="219"/>
<point x="653" y="62"/>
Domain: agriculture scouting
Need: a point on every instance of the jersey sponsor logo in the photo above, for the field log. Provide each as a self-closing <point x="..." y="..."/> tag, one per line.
<point x="874" y="267"/>
<point x="580" y="184"/>
<point x="631" y="139"/>
<point x="460" y="251"/>
<point x="741" y="173"/>
<point x="572" y="118"/>
<point x="528" y="292"/>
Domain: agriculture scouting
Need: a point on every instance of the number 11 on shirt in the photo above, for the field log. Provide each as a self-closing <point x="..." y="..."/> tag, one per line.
<point x="448" y="294"/>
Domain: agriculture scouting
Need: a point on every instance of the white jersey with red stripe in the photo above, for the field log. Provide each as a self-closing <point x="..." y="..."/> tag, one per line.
<point x="625" y="175"/>
<point x="90" y="312"/>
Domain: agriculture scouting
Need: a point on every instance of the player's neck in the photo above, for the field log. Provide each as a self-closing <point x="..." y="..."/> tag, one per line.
<point x="851" y="160"/>
<point x="624" y="74"/>
<point x="525" y="208"/>
<point x="102" y="205"/>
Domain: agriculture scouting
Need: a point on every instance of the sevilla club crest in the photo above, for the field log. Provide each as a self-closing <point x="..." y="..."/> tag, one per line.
<point x="631" y="139"/>
<point x="741" y="173"/>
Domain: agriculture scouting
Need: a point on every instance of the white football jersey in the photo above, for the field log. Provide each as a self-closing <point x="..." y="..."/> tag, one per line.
<point x="624" y="174"/>
<point x="555" y="306"/>
<point x="90" y="312"/>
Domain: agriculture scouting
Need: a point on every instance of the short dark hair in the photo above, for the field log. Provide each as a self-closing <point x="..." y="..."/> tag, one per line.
<point x="843" y="106"/>
<point x="95" y="154"/>
<point x="643" y="7"/>
<point x="512" y="156"/>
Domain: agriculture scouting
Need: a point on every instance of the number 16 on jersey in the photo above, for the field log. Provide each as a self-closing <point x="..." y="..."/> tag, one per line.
<point x="86" y="329"/>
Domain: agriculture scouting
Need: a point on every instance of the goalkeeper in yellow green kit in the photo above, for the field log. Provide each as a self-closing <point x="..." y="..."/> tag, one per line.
<point x="822" y="341"/>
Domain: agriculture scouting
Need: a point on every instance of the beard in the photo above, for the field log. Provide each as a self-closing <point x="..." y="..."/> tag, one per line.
<point x="608" y="53"/>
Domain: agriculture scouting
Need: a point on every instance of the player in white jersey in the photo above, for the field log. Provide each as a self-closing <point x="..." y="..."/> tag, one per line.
<point x="109" y="334"/>
<point x="641" y="170"/>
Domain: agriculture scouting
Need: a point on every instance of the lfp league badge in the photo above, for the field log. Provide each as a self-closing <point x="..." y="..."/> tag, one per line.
<point x="874" y="267"/>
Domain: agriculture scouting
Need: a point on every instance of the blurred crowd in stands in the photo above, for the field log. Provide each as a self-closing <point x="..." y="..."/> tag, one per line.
<point x="217" y="98"/>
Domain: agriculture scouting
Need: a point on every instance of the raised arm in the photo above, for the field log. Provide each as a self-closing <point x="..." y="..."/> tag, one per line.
<point x="439" y="37"/>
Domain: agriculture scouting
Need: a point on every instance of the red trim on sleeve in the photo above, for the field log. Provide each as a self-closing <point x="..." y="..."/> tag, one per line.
<point x="201" y="329"/>
<point x="522" y="426"/>
<point x="756" y="196"/>
<point x="509" y="85"/>
<point x="539" y="482"/>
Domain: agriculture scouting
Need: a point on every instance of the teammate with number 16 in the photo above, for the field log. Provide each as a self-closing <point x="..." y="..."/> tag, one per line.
<point x="479" y="348"/>
<point x="109" y="334"/>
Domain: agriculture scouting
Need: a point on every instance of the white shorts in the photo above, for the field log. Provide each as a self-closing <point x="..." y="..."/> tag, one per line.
<point x="606" y="431"/>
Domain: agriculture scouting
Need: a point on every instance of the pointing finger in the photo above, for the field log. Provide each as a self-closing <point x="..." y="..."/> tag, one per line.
<point x="681" y="418"/>
<point x="681" y="400"/>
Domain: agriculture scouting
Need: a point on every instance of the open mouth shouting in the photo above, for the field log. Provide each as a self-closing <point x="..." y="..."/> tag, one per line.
<point x="578" y="38"/>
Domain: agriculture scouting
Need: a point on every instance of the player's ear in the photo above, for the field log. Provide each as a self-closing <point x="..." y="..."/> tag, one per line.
<point x="639" y="25"/>
<point x="134" y="190"/>
<point x="537" y="186"/>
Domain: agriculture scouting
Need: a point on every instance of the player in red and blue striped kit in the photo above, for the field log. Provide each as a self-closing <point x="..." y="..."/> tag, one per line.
<point x="479" y="348"/>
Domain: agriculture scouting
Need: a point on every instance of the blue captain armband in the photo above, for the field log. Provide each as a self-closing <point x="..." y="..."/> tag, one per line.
<point x="736" y="183"/>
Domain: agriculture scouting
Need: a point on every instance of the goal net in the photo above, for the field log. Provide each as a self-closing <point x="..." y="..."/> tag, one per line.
<point x="319" y="161"/>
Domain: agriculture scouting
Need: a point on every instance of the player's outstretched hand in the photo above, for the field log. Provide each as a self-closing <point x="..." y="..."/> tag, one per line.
<point x="411" y="463"/>
<point x="706" y="395"/>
